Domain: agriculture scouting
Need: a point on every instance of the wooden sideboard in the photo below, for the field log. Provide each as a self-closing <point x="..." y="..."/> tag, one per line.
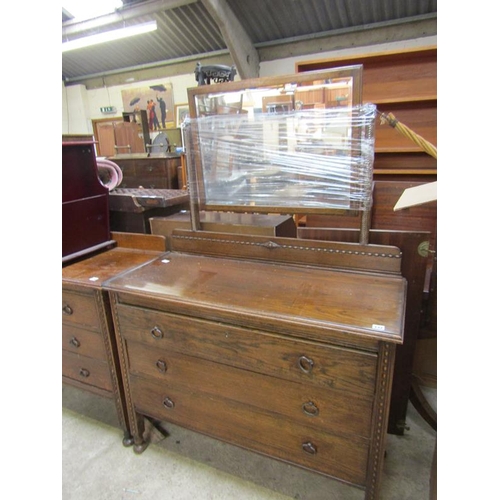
<point x="282" y="346"/>
<point x="150" y="171"/>
<point x="89" y="357"/>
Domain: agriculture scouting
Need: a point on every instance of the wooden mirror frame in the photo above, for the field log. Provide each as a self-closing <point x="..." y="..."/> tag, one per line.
<point x="196" y="173"/>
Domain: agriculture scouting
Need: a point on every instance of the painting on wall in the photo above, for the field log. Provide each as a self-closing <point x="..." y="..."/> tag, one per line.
<point x="181" y="112"/>
<point x="156" y="100"/>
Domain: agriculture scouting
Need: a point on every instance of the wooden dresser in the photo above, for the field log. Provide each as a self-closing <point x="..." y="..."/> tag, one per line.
<point x="150" y="171"/>
<point x="278" y="345"/>
<point x="89" y="355"/>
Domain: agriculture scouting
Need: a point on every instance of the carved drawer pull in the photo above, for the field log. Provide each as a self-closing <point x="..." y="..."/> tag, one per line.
<point x="84" y="372"/>
<point x="309" y="448"/>
<point x="67" y="310"/>
<point x="306" y="364"/>
<point x="168" y="403"/>
<point x="75" y="342"/>
<point x="161" y="365"/>
<point x="310" y="409"/>
<point x="156" y="333"/>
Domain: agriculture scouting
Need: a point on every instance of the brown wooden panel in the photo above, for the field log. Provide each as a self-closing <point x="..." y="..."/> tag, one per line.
<point x="255" y="294"/>
<point x="80" y="309"/>
<point x="86" y="370"/>
<point x="396" y="76"/>
<point x="150" y="168"/>
<point x="129" y="134"/>
<point x="420" y="161"/>
<point x="419" y="117"/>
<point x="93" y="271"/>
<point x="385" y="196"/>
<point x="105" y="136"/>
<point x="417" y="218"/>
<point x="286" y="250"/>
<point x="140" y="241"/>
<point x="335" y="368"/>
<point x="83" y="342"/>
<point x="340" y="457"/>
<point x="307" y="404"/>
<point x="408" y="76"/>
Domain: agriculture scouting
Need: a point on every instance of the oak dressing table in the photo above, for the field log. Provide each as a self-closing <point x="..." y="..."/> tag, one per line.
<point x="278" y="345"/>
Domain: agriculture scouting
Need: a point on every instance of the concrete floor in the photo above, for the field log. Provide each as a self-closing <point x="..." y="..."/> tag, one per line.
<point x="187" y="466"/>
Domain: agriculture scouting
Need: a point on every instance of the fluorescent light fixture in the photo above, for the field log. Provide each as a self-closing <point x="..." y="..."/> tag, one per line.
<point x="108" y="36"/>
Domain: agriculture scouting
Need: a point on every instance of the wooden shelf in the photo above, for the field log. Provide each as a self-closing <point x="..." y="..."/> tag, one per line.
<point x="398" y="100"/>
<point x="403" y="83"/>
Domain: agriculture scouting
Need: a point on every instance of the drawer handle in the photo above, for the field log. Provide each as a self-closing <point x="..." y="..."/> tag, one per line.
<point x="310" y="409"/>
<point x="161" y="365"/>
<point x="156" y="333"/>
<point x="306" y="364"/>
<point x="309" y="448"/>
<point x="84" y="372"/>
<point x="67" y="310"/>
<point x="75" y="342"/>
<point x="168" y="403"/>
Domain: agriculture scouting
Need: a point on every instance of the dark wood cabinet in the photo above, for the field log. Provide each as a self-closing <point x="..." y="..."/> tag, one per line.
<point x="85" y="200"/>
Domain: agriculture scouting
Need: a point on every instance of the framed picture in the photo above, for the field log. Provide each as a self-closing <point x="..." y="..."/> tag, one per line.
<point x="181" y="111"/>
<point x="157" y="100"/>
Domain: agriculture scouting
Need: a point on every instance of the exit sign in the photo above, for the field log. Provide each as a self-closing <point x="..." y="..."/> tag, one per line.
<point x="108" y="110"/>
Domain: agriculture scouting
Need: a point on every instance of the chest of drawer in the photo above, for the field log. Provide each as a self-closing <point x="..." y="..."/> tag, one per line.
<point x="295" y="360"/>
<point x="331" y="410"/>
<point x="80" y="309"/>
<point x="86" y="370"/>
<point x="83" y="342"/>
<point x="337" y="456"/>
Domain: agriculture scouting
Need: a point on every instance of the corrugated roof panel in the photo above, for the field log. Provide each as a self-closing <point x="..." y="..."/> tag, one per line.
<point x="189" y="30"/>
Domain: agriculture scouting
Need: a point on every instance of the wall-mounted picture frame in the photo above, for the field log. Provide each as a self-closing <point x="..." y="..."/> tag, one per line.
<point x="156" y="100"/>
<point x="181" y="111"/>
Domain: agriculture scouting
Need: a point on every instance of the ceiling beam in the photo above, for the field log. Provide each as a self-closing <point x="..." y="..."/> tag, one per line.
<point x="73" y="27"/>
<point x="241" y="48"/>
<point x="348" y="38"/>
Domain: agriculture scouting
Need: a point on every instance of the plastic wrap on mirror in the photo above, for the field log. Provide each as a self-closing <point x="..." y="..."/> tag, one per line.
<point x="318" y="159"/>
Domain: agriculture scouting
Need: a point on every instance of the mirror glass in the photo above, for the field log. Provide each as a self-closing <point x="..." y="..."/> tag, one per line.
<point x="281" y="145"/>
<point x="328" y="93"/>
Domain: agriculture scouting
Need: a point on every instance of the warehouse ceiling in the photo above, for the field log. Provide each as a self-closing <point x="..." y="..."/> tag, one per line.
<point x="245" y="32"/>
